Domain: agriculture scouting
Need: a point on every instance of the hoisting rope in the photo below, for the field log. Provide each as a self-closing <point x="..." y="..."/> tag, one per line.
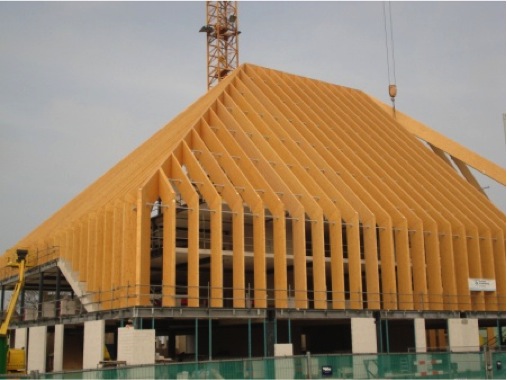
<point x="391" y="76"/>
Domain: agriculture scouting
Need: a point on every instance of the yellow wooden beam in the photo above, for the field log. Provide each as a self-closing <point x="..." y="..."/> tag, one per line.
<point x="264" y="184"/>
<point x="147" y="194"/>
<point x="128" y="259"/>
<point x="233" y="199"/>
<point x="499" y="259"/>
<point x="214" y="202"/>
<point x="454" y="149"/>
<point x="106" y="271"/>
<point x="352" y="233"/>
<point x="188" y="193"/>
<point x="95" y="259"/>
<point x="168" y="198"/>
<point x="117" y="248"/>
<point x="232" y="166"/>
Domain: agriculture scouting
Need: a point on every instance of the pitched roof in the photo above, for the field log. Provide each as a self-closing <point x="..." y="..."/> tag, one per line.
<point x="319" y="152"/>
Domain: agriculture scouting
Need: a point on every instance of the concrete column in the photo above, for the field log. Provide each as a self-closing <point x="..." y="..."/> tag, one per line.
<point x="20" y="338"/>
<point x="463" y="334"/>
<point x="93" y="345"/>
<point x="420" y="335"/>
<point x="136" y="346"/>
<point x="58" y="348"/>
<point x="364" y="335"/>
<point x="37" y="349"/>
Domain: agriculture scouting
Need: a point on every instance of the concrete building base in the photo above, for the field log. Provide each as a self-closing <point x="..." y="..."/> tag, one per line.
<point x="37" y="349"/>
<point x="58" y="348"/>
<point x="364" y="335"/>
<point x="94" y="341"/>
<point x="420" y="335"/>
<point x="136" y="346"/>
<point x="463" y="334"/>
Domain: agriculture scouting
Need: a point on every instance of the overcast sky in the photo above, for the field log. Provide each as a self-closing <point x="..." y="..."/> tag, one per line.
<point x="83" y="84"/>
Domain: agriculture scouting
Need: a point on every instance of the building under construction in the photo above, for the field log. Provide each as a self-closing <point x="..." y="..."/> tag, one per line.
<point x="275" y="209"/>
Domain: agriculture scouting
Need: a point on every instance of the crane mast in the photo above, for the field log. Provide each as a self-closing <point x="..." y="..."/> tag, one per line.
<point x="222" y="39"/>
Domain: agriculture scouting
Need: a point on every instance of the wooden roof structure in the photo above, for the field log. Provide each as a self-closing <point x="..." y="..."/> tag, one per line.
<point x="361" y="213"/>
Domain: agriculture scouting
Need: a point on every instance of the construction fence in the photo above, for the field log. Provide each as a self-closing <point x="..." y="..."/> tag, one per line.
<point x="444" y="365"/>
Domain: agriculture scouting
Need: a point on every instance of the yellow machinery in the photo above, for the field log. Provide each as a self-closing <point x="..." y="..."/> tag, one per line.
<point x="13" y="360"/>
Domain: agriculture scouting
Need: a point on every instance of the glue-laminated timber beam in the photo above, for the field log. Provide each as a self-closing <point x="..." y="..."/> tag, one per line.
<point x="355" y="286"/>
<point x="455" y="215"/>
<point x="273" y="202"/>
<point x="311" y="207"/>
<point x="463" y="168"/>
<point x="400" y="224"/>
<point x="296" y="210"/>
<point x="466" y="172"/>
<point x="106" y="272"/>
<point x="383" y="173"/>
<point x="77" y="249"/>
<point x="404" y="281"/>
<point x="486" y="243"/>
<point x="488" y="269"/>
<point x="471" y="213"/>
<point x="460" y="188"/>
<point x="395" y="221"/>
<point x="417" y="251"/>
<point x="475" y="267"/>
<point x="394" y="165"/>
<point x="434" y="277"/>
<point x="96" y="280"/>
<point x="350" y="216"/>
<point x="308" y="189"/>
<point x="59" y="243"/>
<point x="67" y="251"/>
<point x="499" y="259"/>
<point x="128" y="257"/>
<point x="213" y="199"/>
<point x="485" y="216"/>
<point x="439" y="185"/>
<point x="354" y="266"/>
<point x="76" y="239"/>
<point x="92" y="254"/>
<point x="147" y="194"/>
<point x="461" y="265"/>
<point x="251" y="198"/>
<point x="168" y="198"/>
<point x="185" y="188"/>
<point x="454" y="149"/>
<point x="233" y="199"/>
<point x="85" y="247"/>
<point x="116" y="260"/>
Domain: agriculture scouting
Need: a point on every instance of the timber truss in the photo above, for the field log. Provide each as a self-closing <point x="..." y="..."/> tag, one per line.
<point x="278" y="191"/>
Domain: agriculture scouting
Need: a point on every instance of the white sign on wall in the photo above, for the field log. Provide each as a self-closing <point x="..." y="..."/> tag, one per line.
<point x="481" y="285"/>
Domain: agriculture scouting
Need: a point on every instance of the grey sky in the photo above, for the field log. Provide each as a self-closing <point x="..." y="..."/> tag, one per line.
<point x="84" y="83"/>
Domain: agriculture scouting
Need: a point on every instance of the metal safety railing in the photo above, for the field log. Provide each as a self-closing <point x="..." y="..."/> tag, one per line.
<point x="252" y="297"/>
<point x="182" y="297"/>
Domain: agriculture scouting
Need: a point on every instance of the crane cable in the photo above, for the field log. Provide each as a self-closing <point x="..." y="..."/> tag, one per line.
<point x="392" y="84"/>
